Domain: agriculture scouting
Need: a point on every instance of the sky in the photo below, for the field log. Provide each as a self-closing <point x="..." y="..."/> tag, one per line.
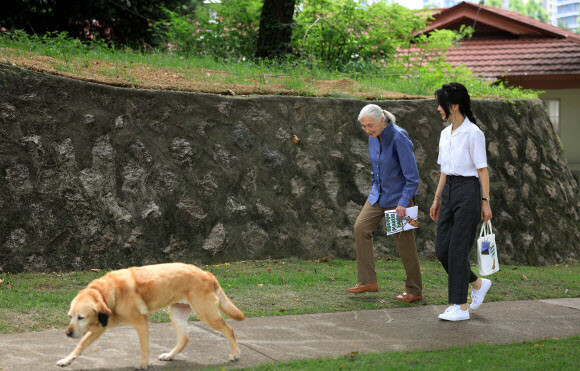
<point x="411" y="4"/>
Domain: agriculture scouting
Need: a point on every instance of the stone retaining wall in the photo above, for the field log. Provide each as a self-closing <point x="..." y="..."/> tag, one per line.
<point x="95" y="176"/>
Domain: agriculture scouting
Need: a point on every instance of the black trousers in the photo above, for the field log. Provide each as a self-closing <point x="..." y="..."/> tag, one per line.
<point x="459" y="217"/>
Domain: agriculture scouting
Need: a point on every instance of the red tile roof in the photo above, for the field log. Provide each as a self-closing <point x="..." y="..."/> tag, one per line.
<point x="534" y="47"/>
<point x="537" y="56"/>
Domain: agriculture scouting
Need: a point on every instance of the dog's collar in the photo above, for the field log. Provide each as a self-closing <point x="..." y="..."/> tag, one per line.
<point x="102" y="296"/>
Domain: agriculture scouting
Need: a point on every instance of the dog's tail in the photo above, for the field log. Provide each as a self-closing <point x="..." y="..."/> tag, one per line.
<point x="226" y="305"/>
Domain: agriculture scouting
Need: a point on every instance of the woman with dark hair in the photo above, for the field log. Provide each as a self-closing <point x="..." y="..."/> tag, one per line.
<point x="461" y="199"/>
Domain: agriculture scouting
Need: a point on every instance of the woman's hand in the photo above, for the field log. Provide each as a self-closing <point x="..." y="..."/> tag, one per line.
<point x="434" y="211"/>
<point x="485" y="211"/>
<point x="401" y="211"/>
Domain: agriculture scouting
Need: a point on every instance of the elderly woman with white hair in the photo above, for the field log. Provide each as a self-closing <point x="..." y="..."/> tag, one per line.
<point x="395" y="179"/>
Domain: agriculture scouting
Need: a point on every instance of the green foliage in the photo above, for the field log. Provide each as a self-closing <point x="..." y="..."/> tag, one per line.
<point x="531" y="8"/>
<point x="227" y="29"/>
<point x="125" y="22"/>
<point x="345" y="35"/>
<point x="350" y="34"/>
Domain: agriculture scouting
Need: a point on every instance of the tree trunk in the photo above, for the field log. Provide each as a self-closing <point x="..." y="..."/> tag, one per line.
<point x="275" y="28"/>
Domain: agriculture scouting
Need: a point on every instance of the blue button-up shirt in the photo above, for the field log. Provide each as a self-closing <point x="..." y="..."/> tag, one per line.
<point x="394" y="174"/>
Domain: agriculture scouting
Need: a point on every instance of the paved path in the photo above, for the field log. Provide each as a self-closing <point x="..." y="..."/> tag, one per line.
<point x="272" y="339"/>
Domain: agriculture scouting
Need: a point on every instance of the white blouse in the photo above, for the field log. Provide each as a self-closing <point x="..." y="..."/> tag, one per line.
<point x="462" y="152"/>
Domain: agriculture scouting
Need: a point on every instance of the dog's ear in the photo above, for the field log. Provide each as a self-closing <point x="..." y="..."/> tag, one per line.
<point x="103" y="318"/>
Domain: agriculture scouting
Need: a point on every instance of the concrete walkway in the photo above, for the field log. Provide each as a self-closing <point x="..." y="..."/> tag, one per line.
<point x="283" y="338"/>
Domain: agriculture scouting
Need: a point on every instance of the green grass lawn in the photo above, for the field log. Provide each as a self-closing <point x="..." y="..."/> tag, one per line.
<point x="38" y="301"/>
<point x="545" y="354"/>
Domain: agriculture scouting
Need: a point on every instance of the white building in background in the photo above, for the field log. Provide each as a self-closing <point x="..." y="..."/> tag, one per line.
<point x="563" y="13"/>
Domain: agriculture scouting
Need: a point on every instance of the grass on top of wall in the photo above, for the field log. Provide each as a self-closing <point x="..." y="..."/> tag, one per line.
<point x="158" y="69"/>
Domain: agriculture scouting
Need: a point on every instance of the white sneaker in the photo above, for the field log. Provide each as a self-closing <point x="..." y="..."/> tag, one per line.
<point x="454" y="313"/>
<point x="477" y="296"/>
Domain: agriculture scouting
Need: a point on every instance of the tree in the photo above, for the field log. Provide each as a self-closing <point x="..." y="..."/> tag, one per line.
<point x="531" y="8"/>
<point x="275" y="32"/>
<point x="123" y="21"/>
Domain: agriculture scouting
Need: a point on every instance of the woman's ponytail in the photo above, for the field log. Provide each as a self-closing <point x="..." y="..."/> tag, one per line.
<point x="389" y="115"/>
<point x="470" y="116"/>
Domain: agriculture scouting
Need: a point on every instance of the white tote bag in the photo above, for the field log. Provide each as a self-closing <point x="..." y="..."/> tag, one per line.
<point x="487" y="251"/>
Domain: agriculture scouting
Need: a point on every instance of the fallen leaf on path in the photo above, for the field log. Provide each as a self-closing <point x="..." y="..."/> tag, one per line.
<point x="514" y="268"/>
<point x="323" y="260"/>
<point x="95" y="270"/>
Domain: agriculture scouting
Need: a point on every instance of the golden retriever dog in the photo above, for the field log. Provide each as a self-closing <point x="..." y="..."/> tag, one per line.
<point x="128" y="296"/>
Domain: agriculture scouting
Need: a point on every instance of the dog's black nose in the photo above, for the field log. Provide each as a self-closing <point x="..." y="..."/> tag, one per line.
<point x="68" y="333"/>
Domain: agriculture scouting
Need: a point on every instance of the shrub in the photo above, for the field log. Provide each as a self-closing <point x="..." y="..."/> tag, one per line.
<point x="345" y="34"/>
<point x="227" y="30"/>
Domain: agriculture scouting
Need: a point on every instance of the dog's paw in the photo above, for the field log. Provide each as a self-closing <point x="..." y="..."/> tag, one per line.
<point x="65" y="361"/>
<point x="165" y="357"/>
<point x="141" y="366"/>
<point x="234" y="357"/>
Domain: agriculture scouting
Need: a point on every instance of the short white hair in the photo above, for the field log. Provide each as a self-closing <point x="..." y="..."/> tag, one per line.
<point x="375" y="112"/>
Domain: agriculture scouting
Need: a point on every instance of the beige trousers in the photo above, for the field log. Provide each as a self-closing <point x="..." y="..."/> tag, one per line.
<point x="366" y="223"/>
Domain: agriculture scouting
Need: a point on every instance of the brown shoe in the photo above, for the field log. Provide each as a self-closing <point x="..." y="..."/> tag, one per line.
<point x="371" y="287"/>
<point x="408" y="298"/>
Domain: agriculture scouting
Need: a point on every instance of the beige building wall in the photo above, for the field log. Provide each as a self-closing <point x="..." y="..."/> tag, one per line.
<point x="568" y="126"/>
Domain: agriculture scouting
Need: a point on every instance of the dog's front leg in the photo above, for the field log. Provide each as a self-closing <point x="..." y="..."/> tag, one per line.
<point x="83" y="344"/>
<point x="142" y="327"/>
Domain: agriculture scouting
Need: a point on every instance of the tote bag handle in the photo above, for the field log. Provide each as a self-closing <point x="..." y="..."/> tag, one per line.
<point x="486" y="229"/>
<point x="489" y="226"/>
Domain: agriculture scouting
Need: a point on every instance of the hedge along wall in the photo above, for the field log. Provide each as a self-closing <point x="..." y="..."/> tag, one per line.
<point x="98" y="176"/>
